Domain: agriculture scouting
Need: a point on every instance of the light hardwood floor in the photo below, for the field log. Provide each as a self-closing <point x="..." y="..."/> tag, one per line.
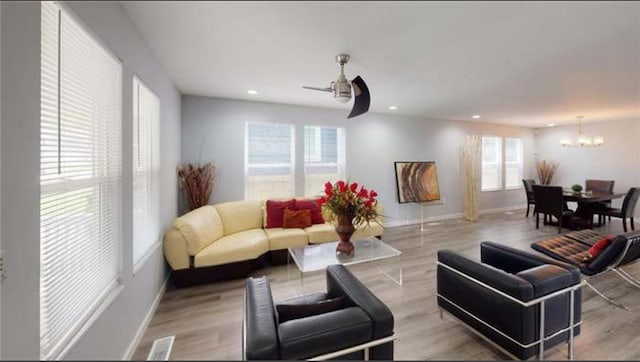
<point x="206" y="320"/>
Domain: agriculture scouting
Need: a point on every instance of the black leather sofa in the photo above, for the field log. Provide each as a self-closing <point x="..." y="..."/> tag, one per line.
<point x="361" y="329"/>
<point x="501" y="298"/>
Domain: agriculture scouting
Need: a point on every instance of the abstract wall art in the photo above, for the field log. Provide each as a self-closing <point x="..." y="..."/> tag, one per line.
<point x="417" y="182"/>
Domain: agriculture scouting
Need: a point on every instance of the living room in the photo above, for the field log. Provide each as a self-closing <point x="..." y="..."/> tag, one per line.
<point x="223" y="82"/>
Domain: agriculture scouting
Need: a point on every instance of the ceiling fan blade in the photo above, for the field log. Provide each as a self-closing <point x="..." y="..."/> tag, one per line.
<point x="319" y="89"/>
<point x="362" y="97"/>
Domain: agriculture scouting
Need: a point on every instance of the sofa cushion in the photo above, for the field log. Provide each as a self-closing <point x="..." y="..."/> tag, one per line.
<point x="240" y="215"/>
<point x="275" y="212"/>
<point x="321" y="233"/>
<point x="298" y="219"/>
<point x="241" y="246"/>
<point x="373" y="229"/>
<point x="200" y="228"/>
<point x="280" y="238"/>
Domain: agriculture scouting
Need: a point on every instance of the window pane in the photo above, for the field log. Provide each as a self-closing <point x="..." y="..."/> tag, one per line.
<point x="269" y="168"/>
<point x="491" y="163"/>
<point x="324" y="156"/>
<point x="513" y="163"/>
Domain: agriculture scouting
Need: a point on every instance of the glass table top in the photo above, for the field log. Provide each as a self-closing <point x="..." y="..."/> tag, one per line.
<point x="319" y="256"/>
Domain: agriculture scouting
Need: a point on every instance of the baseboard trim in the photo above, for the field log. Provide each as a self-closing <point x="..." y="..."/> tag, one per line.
<point x="451" y="216"/>
<point x="145" y="323"/>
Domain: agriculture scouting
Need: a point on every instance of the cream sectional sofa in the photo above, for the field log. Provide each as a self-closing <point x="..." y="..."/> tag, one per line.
<point x="229" y="240"/>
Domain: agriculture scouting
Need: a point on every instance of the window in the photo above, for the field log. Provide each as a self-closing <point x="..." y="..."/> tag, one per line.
<point x="324" y="157"/>
<point x="146" y="119"/>
<point x="269" y="161"/>
<point x="80" y="226"/>
<point x="491" y="163"/>
<point x="513" y="163"/>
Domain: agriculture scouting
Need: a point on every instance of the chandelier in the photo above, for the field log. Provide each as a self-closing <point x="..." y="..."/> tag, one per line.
<point x="582" y="140"/>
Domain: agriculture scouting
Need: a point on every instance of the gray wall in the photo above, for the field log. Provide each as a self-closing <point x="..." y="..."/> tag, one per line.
<point x="213" y="130"/>
<point x="618" y="159"/>
<point x="111" y="334"/>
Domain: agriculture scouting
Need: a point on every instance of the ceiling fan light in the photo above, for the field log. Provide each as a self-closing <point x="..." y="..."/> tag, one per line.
<point x="342" y="99"/>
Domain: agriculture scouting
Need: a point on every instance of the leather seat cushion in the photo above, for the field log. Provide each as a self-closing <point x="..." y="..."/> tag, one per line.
<point x="200" y="228"/>
<point x="587" y="237"/>
<point x="280" y="238"/>
<point x="563" y="248"/>
<point x="241" y="246"/>
<point x="328" y="332"/>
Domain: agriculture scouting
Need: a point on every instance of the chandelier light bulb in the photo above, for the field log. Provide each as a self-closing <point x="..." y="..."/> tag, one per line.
<point x="581" y="140"/>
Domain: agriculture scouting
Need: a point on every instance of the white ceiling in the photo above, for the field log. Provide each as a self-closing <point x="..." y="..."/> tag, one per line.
<point x="521" y="63"/>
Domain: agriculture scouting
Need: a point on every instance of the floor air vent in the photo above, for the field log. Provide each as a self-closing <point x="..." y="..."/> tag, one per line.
<point x="161" y="349"/>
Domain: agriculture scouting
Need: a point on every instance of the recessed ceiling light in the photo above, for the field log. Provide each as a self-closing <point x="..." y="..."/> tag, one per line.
<point x="551" y="124"/>
<point x="475" y="116"/>
<point x="393" y="108"/>
<point x="253" y="92"/>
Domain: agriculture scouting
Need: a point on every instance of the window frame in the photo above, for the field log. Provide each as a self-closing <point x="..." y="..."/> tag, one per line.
<point x="101" y="176"/>
<point x="152" y="171"/>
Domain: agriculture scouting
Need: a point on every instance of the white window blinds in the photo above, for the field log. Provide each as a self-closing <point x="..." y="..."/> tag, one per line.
<point x="146" y="120"/>
<point x="324" y="157"/>
<point x="491" y="163"/>
<point x="269" y="161"/>
<point x="80" y="227"/>
<point x="513" y="155"/>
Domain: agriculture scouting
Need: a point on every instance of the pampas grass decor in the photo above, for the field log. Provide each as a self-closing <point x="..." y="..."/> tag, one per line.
<point x="471" y="151"/>
<point x="196" y="182"/>
<point x="546" y="170"/>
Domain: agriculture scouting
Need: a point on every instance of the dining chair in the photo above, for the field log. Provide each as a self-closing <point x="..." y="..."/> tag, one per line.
<point x="549" y="201"/>
<point x="529" y="191"/>
<point x="600" y="186"/>
<point x="628" y="208"/>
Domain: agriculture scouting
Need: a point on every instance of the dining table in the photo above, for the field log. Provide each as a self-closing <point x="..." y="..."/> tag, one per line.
<point x="587" y="200"/>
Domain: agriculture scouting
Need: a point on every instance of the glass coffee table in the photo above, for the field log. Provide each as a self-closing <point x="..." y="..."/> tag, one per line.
<point x="317" y="257"/>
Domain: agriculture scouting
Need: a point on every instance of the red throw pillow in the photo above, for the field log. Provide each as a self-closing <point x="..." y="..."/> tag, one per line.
<point x="599" y="246"/>
<point x="312" y="205"/>
<point x="296" y="219"/>
<point x="275" y="212"/>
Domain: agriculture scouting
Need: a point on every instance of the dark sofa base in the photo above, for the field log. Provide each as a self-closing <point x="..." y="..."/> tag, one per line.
<point x="196" y="276"/>
<point x="242" y="269"/>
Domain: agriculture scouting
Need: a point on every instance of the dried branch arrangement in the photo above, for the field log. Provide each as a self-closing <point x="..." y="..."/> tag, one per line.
<point x="196" y="182"/>
<point x="546" y="170"/>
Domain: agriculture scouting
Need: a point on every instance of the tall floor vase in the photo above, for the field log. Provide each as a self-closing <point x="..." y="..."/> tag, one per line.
<point x="470" y="157"/>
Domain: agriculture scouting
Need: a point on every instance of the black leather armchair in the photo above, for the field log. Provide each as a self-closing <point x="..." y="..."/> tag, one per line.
<point x="361" y="329"/>
<point x="510" y="296"/>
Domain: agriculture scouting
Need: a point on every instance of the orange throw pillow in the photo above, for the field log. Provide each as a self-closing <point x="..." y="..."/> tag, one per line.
<point x="296" y="219"/>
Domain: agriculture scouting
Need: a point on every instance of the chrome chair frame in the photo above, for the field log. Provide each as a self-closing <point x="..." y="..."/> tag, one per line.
<point x="537" y="301"/>
<point x="617" y="269"/>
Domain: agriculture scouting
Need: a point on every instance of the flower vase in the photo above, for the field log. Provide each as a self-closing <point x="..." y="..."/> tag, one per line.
<point x="345" y="230"/>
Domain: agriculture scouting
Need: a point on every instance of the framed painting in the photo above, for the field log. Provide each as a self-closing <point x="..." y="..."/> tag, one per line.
<point x="417" y="182"/>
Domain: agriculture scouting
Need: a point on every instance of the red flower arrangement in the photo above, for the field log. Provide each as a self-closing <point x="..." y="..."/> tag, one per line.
<point x="345" y="201"/>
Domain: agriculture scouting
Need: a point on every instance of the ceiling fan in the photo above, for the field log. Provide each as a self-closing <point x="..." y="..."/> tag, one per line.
<point x="341" y="89"/>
